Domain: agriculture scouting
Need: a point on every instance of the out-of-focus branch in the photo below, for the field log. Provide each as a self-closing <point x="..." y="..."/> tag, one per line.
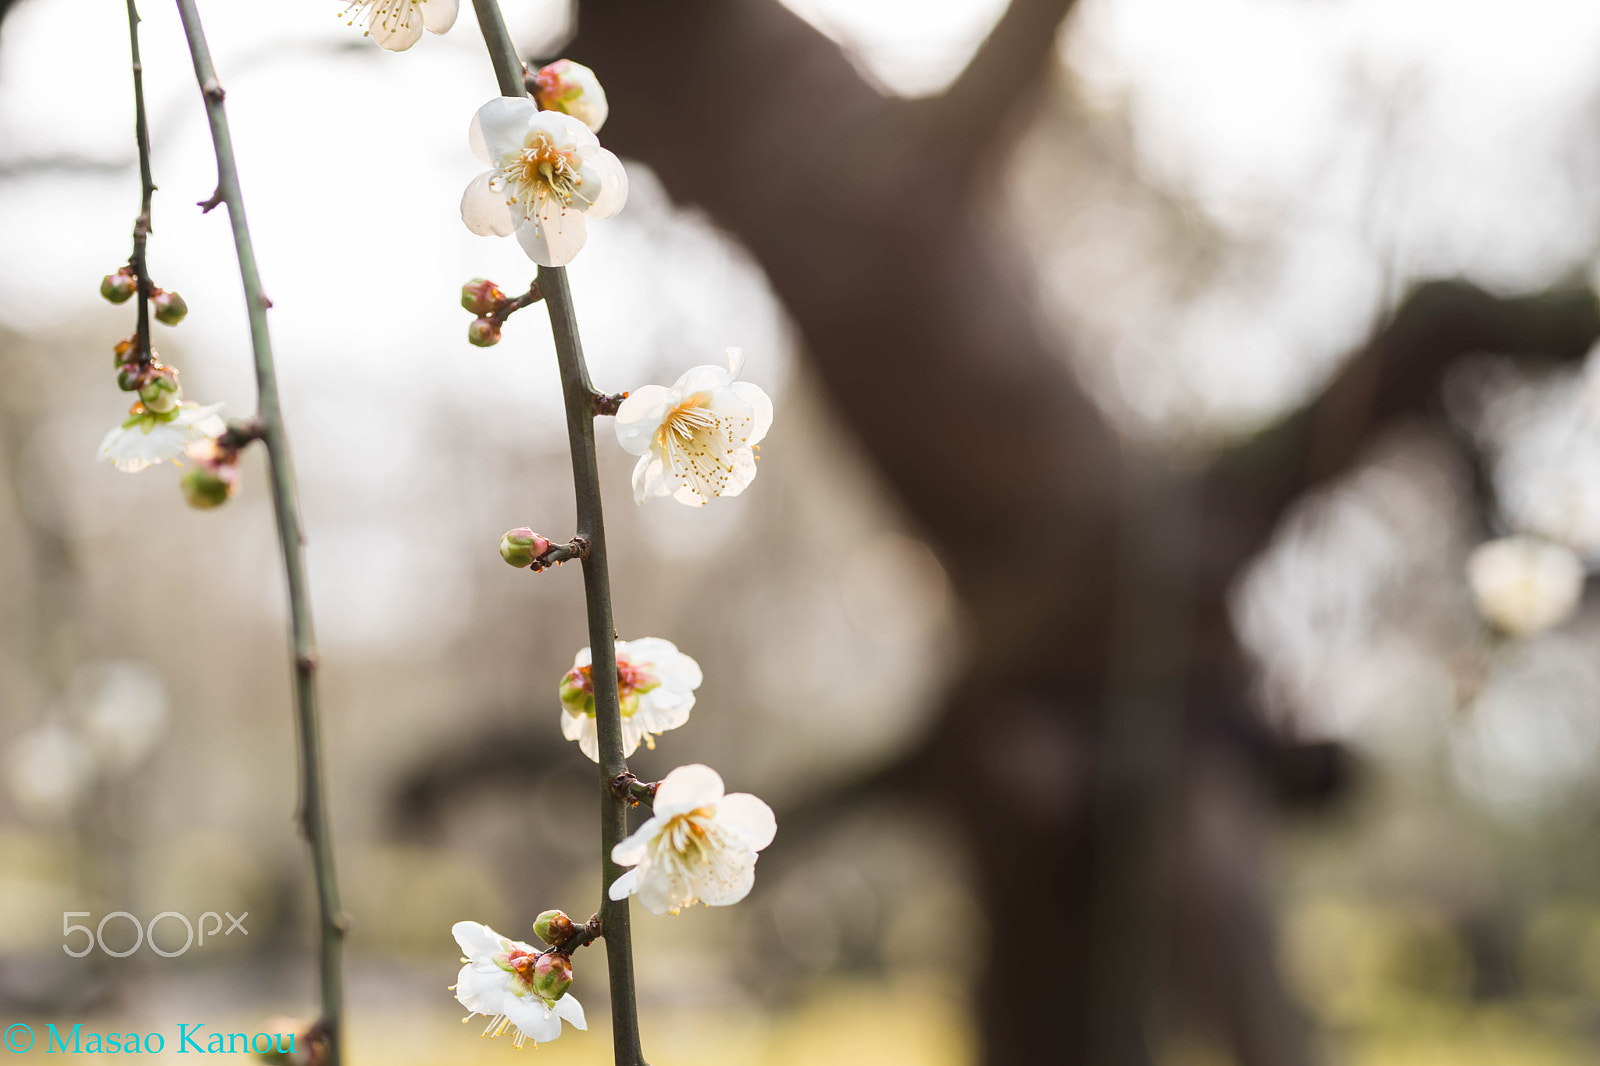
<point x="147" y="187"/>
<point x="313" y="804"/>
<point x="1014" y="59"/>
<point x="1398" y="374"/>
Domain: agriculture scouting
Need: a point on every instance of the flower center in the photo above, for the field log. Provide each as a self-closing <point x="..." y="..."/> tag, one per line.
<point x="521" y="964"/>
<point x="391" y="15"/>
<point x="633" y="681"/>
<point x="689" y="835"/>
<point x="540" y="171"/>
<point x="699" y="445"/>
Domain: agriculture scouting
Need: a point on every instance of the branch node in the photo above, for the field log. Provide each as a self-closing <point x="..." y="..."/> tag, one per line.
<point x="307" y="661"/>
<point x="576" y="548"/>
<point x="586" y="935"/>
<point x="211" y="201"/>
<point x="213" y="90"/>
<point x="627" y="786"/>
<point x="606" y="403"/>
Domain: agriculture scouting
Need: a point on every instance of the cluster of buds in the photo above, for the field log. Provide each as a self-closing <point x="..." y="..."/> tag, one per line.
<point x="492" y="306"/>
<point x="143" y="373"/>
<point x="168" y="307"/>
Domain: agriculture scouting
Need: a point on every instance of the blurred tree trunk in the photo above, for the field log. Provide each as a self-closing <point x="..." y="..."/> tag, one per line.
<point x="1102" y="723"/>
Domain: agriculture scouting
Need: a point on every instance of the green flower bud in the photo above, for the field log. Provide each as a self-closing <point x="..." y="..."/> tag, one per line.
<point x="119" y="287"/>
<point x="482" y="296"/>
<point x="169" y="307"/>
<point x="552" y="976"/>
<point x="521" y="546"/>
<point x="159" y="391"/>
<point x="554" y="927"/>
<point x="206" y="487"/>
<point x="483" y="333"/>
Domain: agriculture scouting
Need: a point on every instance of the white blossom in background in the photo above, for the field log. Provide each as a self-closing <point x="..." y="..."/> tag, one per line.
<point x="126" y="713"/>
<point x="548" y="174"/>
<point x="49" y="771"/>
<point x="147" y="438"/>
<point x="398" y="24"/>
<point x="572" y="88"/>
<point x="501" y="980"/>
<point x="655" y="689"/>
<point x="697" y="439"/>
<point x="699" y="845"/>
<point x="1524" y="585"/>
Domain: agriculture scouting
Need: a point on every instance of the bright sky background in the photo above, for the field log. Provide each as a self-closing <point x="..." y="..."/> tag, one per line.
<point x="1330" y="145"/>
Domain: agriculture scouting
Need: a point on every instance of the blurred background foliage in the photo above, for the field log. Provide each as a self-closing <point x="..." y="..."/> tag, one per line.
<point x="1212" y="207"/>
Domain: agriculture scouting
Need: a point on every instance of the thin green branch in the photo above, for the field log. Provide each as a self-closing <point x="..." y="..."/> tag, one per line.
<point x="141" y="226"/>
<point x="580" y="404"/>
<point x="313" y="814"/>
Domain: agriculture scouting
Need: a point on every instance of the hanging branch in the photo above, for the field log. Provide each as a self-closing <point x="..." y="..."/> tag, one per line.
<point x="583" y="402"/>
<point x="141" y="225"/>
<point x="313" y="814"/>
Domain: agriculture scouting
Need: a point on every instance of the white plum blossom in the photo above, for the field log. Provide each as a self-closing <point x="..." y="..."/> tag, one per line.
<point x="548" y="174"/>
<point x="1524" y="585"/>
<point x="127" y="713"/>
<point x="49" y="771"/>
<point x="697" y="439"/>
<point x="655" y="689"/>
<point x="501" y="978"/>
<point x="699" y="846"/>
<point x="146" y="438"/>
<point x="573" y="88"/>
<point x="398" y="24"/>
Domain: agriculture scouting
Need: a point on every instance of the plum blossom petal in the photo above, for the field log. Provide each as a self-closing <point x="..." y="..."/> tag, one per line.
<point x="477" y="940"/>
<point x="554" y="236"/>
<point x="484" y="209"/>
<point x="439" y="15"/>
<point x="685" y="789"/>
<point x="569" y="1010"/>
<point x="396" y="25"/>
<point x="145" y="438"/>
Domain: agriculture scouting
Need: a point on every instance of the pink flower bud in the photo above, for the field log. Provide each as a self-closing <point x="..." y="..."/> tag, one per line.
<point x="169" y="307"/>
<point x="551" y="976"/>
<point x="554" y="927"/>
<point x="521" y="546"/>
<point x="482" y="296"/>
<point x="483" y="333"/>
<point x="571" y="88"/>
<point x="206" y="486"/>
<point x="119" y="287"/>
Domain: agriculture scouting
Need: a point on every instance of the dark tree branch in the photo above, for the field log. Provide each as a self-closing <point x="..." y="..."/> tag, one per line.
<point x="1397" y="375"/>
